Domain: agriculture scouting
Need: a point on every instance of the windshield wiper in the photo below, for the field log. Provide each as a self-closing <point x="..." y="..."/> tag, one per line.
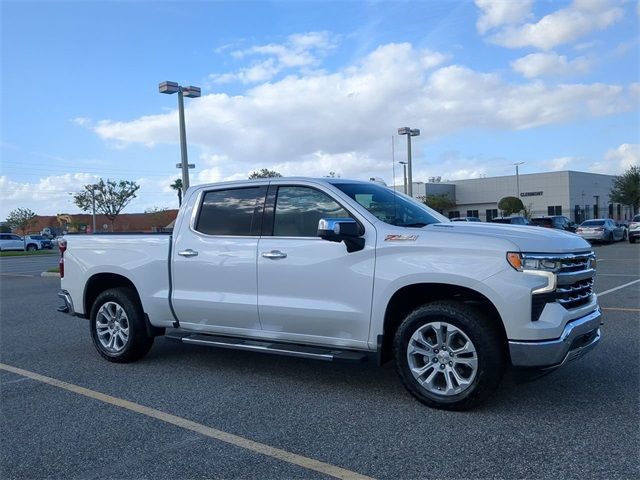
<point x="417" y="224"/>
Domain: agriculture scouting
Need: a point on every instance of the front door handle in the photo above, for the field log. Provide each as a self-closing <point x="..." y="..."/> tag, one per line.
<point x="274" y="254"/>
<point x="188" y="253"/>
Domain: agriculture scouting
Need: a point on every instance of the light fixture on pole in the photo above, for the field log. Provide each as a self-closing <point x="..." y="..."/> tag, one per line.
<point x="93" y="205"/>
<point x="191" y="92"/>
<point x="404" y="168"/>
<point x="409" y="132"/>
<point x="518" y="177"/>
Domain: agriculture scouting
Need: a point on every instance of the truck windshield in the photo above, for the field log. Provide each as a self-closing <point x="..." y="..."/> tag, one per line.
<point x="389" y="206"/>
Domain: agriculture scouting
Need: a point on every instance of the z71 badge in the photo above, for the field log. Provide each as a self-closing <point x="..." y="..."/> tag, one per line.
<point x="400" y="238"/>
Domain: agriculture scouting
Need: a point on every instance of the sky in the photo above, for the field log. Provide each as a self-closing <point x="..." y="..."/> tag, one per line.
<point x="308" y="88"/>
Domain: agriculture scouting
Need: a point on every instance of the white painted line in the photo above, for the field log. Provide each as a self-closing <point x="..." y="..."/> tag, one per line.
<point x="616" y="275"/>
<point x="283" y="455"/>
<point x="618" y="288"/>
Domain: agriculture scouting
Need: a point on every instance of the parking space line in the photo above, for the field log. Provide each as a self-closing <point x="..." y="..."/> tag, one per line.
<point x="257" y="447"/>
<point x="16" y="275"/>
<point x="621" y="309"/>
<point x="618" y="288"/>
<point x="617" y="275"/>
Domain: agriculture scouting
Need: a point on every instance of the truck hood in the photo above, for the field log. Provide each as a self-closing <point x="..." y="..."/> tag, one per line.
<point x="525" y="238"/>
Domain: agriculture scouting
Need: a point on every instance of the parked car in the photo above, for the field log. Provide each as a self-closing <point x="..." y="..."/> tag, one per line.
<point x="555" y="221"/>
<point x="511" y="220"/>
<point x="11" y="241"/>
<point x="466" y="219"/>
<point x="289" y="267"/>
<point x="40" y="242"/>
<point x="634" y="229"/>
<point x="600" y="230"/>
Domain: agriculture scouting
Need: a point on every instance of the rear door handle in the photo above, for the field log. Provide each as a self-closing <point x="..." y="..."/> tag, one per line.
<point x="274" y="254"/>
<point x="188" y="253"/>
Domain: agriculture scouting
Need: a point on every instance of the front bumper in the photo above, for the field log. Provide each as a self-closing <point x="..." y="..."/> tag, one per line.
<point x="578" y="337"/>
<point x="68" y="303"/>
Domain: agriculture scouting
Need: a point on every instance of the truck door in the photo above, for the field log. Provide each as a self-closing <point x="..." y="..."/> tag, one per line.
<point x="214" y="260"/>
<point x="309" y="288"/>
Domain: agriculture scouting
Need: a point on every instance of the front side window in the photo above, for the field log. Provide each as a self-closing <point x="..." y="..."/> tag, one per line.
<point x="390" y="207"/>
<point x="298" y="210"/>
<point x="232" y="212"/>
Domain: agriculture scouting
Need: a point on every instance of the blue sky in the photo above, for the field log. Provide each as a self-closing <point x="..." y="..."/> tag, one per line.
<point x="311" y="87"/>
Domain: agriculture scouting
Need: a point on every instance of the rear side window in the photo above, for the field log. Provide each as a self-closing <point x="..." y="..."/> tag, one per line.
<point x="298" y="210"/>
<point x="235" y="211"/>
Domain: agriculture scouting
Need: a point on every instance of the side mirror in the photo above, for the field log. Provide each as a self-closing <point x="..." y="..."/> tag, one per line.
<point x="341" y="229"/>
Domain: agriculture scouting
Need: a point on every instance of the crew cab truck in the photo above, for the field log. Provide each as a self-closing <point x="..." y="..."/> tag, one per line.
<point x="333" y="269"/>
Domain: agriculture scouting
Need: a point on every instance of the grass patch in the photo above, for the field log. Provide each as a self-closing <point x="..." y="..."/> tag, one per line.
<point x="29" y="254"/>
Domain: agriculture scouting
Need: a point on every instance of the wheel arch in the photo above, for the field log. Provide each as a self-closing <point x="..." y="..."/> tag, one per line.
<point x="410" y="297"/>
<point x="99" y="282"/>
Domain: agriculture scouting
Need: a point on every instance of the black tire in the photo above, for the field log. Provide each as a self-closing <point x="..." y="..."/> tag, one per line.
<point x="138" y="342"/>
<point x="481" y="331"/>
<point x="632" y="239"/>
<point x="31" y="247"/>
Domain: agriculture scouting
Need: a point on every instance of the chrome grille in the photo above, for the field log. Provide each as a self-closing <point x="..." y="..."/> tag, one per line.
<point x="574" y="288"/>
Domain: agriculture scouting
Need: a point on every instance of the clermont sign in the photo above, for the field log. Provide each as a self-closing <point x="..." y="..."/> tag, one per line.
<point x="531" y="194"/>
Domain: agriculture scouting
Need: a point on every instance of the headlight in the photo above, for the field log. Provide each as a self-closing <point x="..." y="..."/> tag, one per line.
<point x="521" y="263"/>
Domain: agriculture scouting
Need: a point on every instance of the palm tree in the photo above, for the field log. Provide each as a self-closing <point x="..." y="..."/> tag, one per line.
<point x="177" y="186"/>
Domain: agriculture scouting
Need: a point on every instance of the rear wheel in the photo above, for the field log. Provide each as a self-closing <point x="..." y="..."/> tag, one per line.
<point x="118" y="327"/>
<point x="31" y="247"/>
<point x="449" y="355"/>
<point x="632" y="239"/>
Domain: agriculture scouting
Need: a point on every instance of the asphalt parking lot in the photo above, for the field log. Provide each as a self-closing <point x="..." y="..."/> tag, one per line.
<point x="578" y="422"/>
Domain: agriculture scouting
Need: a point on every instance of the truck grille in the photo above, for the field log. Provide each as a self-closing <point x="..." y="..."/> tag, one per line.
<point x="574" y="284"/>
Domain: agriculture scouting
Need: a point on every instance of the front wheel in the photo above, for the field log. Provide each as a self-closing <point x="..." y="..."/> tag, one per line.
<point x="31" y="248"/>
<point x="449" y="355"/>
<point x="118" y="327"/>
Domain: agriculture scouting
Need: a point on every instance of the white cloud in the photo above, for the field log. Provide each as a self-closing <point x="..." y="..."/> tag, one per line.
<point x="342" y="122"/>
<point x="565" y="25"/>
<point x="496" y="13"/>
<point x="627" y="155"/>
<point x="550" y="64"/>
<point x="560" y="163"/>
<point x="299" y="51"/>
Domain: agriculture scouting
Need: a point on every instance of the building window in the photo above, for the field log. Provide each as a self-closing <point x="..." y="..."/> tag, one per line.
<point x="491" y="213"/>
<point x="554" y="210"/>
<point x="587" y="209"/>
<point x="454" y="214"/>
<point x="619" y="208"/>
<point x="577" y="214"/>
<point x="611" y="210"/>
<point x="472" y="213"/>
<point x="596" y="211"/>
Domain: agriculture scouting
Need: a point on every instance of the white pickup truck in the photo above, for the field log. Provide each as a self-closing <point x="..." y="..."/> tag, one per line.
<point x="333" y="269"/>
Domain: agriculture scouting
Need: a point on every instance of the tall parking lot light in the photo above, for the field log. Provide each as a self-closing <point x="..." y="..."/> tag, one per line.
<point x="191" y="92"/>
<point x="404" y="178"/>
<point x="409" y="132"/>
<point x="518" y="177"/>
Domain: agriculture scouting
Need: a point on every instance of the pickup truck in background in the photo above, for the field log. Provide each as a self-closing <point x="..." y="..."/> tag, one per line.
<point x="333" y="269"/>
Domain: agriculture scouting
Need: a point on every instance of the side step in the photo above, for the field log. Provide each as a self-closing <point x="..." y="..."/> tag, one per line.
<point x="278" y="348"/>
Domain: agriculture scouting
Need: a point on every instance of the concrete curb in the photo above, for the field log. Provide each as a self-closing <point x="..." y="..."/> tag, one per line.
<point x="50" y="274"/>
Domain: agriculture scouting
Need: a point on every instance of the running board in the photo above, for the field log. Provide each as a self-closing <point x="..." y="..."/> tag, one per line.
<point x="276" y="348"/>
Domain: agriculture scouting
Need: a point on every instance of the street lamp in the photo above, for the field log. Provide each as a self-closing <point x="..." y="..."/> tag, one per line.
<point x="191" y="92"/>
<point x="518" y="177"/>
<point x="404" y="168"/>
<point x="93" y="202"/>
<point x="409" y="132"/>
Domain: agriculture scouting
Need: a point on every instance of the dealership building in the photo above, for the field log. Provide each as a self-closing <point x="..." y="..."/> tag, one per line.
<point x="577" y="195"/>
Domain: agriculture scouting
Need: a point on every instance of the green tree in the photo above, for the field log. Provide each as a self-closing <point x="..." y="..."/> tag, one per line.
<point x="265" y="173"/>
<point x="110" y="197"/>
<point x="626" y="188"/>
<point x="177" y="186"/>
<point x="439" y="202"/>
<point x="510" y="205"/>
<point x="21" y="219"/>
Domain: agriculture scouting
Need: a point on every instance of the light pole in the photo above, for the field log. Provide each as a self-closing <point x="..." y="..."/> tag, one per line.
<point x="409" y="132"/>
<point x="191" y="92"/>
<point x="518" y="177"/>
<point x="404" y="168"/>
<point x="93" y="206"/>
